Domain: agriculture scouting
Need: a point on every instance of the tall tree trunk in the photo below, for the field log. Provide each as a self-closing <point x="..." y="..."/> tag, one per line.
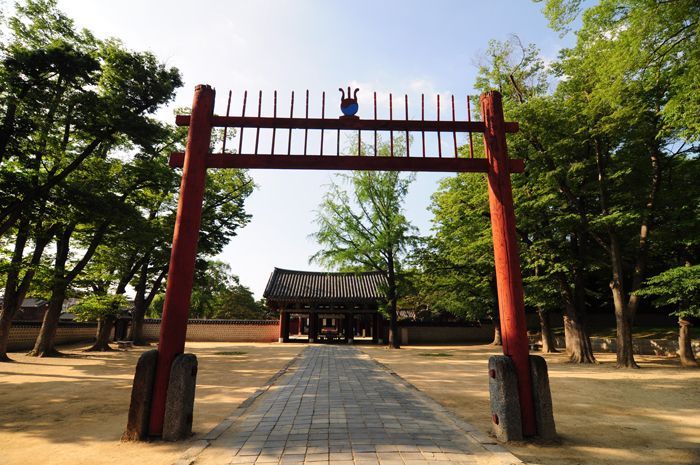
<point x="136" y="329"/>
<point x="141" y="304"/>
<point x="394" y="336"/>
<point x="623" y="313"/>
<point x="5" y="327"/>
<point x="548" y="345"/>
<point x="44" y="346"/>
<point x="685" y="345"/>
<point x="46" y="341"/>
<point x="15" y="287"/>
<point x="578" y="343"/>
<point x="104" y="330"/>
<point x="497" y="336"/>
<point x="625" y="308"/>
<point x="139" y="308"/>
<point x="12" y="298"/>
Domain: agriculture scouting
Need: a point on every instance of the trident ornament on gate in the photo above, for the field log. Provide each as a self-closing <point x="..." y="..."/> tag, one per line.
<point x="349" y="105"/>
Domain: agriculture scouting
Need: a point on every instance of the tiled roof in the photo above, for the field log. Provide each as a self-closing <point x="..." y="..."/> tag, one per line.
<point x="31" y="302"/>
<point x="311" y="286"/>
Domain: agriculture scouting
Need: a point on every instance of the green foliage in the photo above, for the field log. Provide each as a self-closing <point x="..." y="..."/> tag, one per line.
<point x="218" y="294"/>
<point x="678" y="287"/>
<point x="96" y="307"/>
<point x="456" y="263"/>
<point x="609" y="134"/>
<point x="361" y="221"/>
<point x="83" y="159"/>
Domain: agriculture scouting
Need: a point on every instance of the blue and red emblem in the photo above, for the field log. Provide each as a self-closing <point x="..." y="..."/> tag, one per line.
<point x="349" y="105"/>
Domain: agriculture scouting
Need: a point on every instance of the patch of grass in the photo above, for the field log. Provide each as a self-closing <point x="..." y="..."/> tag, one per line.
<point x="437" y="354"/>
<point x="230" y="353"/>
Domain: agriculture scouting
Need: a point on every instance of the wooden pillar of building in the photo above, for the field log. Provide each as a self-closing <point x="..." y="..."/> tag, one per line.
<point x="375" y="328"/>
<point x="349" y="328"/>
<point x="511" y="298"/>
<point x="178" y="290"/>
<point x="313" y="327"/>
<point x="284" y="326"/>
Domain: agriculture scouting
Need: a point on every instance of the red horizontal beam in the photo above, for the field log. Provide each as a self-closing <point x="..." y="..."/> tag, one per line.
<point x="347" y="162"/>
<point x="345" y="123"/>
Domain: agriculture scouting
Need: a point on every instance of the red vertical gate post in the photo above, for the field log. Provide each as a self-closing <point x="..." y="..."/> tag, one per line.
<point x="511" y="298"/>
<point x="178" y="292"/>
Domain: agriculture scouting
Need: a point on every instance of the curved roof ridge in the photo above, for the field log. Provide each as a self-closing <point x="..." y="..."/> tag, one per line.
<point x="338" y="273"/>
<point x="330" y="286"/>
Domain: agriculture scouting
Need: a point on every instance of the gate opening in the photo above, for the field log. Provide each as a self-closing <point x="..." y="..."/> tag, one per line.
<point x="197" y="159"/>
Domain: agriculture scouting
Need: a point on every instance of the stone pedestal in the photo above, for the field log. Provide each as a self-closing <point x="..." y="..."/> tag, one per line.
<point x="141" y="393"/>
<point x="179" y="406"/>
<point x="544" y="410"/>
<point x="506" y="419"/>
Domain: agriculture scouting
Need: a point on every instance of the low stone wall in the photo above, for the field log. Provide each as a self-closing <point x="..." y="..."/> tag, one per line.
<point x="663" y="347"/>
<point x="222" y="330"/>
<point x="23" y="334"/>
<point x="429" y="334"/>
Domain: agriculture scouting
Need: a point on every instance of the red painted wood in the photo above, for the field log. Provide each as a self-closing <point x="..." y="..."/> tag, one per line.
<point x="348" y="162"/>
<point x="345" y="123"/>
<point x="511" y="299"/>
<point x="184" y="250"/>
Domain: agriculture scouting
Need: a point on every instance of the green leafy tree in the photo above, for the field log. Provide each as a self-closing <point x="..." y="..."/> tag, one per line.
<point x="678" y="288"/>
<point x="66" y="98"/>
<point x="456" y="262"/>
<point x="627" y="85"/>
<point x="550" y="203"/>
<point x="104" y="309"/>
<point x="361" y="227"/>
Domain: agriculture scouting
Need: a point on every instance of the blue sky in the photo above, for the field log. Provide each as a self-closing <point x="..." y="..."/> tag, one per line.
<point x="410" y="47"/>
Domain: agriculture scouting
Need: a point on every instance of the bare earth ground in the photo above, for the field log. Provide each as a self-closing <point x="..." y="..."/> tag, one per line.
<point x="70" y="411"/>
<point x="73" y="410"/>
<point x="603" y="415"/>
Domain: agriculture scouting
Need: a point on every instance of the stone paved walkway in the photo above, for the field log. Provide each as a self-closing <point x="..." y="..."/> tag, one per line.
<point x="337" y="406"/>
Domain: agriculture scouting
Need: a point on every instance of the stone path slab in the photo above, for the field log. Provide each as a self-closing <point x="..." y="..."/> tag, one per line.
<point x="338" y="406"/>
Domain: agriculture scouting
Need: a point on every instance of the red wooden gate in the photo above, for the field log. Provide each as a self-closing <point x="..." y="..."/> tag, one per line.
<point x="197" y="159"/>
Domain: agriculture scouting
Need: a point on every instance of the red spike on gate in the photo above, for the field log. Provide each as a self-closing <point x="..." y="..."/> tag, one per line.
<point x="408" y="145"/>
<point x="422" y="118"/>
<point x="291" y="115"/>
<point x="391" y="118"/>
<point x="323" y="116"/>
<point x="438" y="133"/>
<point x="240" y="140"/>
<point x="469" y="119"/>
<point x="228" y="112"/>
<point x="274" y="130"/>
<point x="454" y="133"/>
<point x="257" y="130"/>
<point x="375" y="118"/>
<point x="306" y="131"/>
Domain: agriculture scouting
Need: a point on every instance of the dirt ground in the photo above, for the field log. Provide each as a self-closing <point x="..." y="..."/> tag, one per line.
<point x="72" y="410"/>
<point x="604" y="416"/>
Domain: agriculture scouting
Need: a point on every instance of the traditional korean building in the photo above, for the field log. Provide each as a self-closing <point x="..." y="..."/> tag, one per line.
<point x="327" y="307"/>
